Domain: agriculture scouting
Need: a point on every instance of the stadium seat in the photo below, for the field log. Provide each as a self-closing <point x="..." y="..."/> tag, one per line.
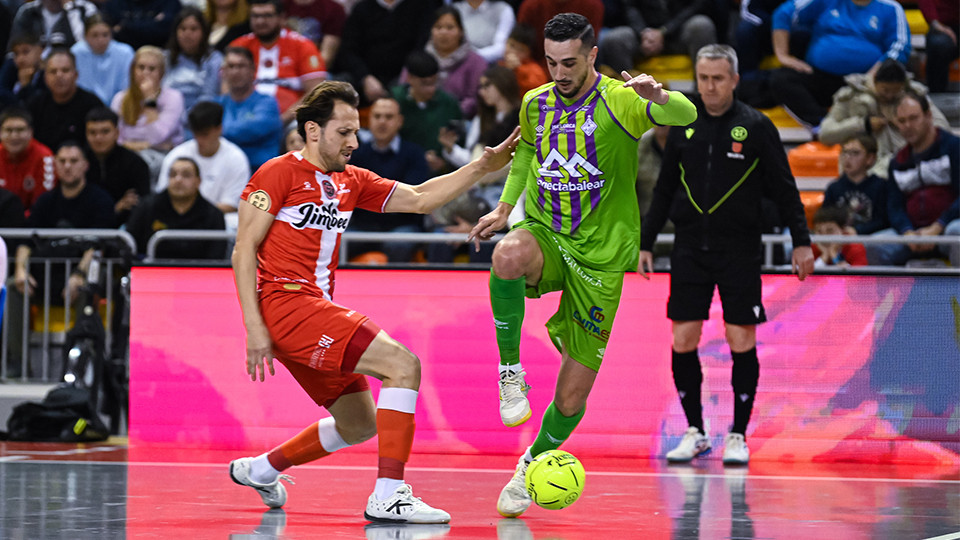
<point x="58" y="318"/>
<point x="674" y="70"/>
<point x="812" y="201"/>
<point x="790" y="130"/>
<point x="814" y="159"/>
<point x="918" y="25"/>
<point x="370" y="257"/>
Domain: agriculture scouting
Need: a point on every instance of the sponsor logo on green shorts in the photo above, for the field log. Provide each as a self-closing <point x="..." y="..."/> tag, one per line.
<point x="590" y="323"/>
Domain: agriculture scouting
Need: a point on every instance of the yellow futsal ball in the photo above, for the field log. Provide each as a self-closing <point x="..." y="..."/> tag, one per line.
<point x="555" y="479"/>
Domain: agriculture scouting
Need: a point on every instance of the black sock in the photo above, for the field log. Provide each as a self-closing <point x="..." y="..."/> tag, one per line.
<point x="687" y="377"/>
<point x="746" y="373"/>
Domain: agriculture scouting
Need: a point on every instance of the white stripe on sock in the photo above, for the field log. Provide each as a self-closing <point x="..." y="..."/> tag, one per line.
<point x="515" y="368"/>
<point x="329" y="437"/>
<point x="398" y="399"/>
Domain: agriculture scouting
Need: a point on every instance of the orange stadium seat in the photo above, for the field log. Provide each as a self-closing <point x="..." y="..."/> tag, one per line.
<point x="812" y="201"/>
<point x="370" y="257"/>
<point x="814" y="159"/>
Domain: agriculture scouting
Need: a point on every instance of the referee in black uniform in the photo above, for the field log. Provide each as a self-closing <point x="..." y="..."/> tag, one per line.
<point x="714" y="173"/>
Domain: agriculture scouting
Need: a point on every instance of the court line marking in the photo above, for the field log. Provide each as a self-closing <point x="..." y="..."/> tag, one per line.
<point x="948" y="536"/>
<point x="506" y="471"/>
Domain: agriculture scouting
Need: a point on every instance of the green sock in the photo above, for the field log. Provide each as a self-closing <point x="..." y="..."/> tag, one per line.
<point x="554" y="429"/>
<point x="507" y="303"/>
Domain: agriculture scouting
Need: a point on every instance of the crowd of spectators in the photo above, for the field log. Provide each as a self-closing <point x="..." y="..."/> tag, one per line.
<point x="210" y="87"/>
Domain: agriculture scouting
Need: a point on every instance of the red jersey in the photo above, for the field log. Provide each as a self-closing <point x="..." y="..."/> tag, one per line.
<point x="282" y="68"/>
<point x="30" y="176"/>
<point x="312" y="210"/>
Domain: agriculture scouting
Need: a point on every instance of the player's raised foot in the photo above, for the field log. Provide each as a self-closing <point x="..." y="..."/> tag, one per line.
<point x="735" y="451"/>
<point x="514" y="499"/>
<point x="405" y="531"/>
<point x="403" y="507"/>
<point x="692" y="445"/>
<point x="514" y="406"/>
<point x="273" y="494"/>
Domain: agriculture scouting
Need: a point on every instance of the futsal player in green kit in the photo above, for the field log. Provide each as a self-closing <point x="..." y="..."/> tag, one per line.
<point x="577" y="161"/>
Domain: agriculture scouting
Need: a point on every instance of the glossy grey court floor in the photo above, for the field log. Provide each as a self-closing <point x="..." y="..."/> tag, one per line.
<point x="108" y="491"/>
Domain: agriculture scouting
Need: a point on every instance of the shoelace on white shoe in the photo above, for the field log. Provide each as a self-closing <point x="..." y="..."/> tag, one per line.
<point x="511" y="387"/>
<point x="406" y="493"/>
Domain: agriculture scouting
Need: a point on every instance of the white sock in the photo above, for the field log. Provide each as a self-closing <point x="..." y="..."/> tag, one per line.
<point x="514" y="368"/>
<point x="385" y="488"/>
<point x="261" y="471"/>
<point x="527" y="456"/>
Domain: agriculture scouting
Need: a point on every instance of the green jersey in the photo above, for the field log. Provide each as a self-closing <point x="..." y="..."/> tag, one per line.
<point x="578" y="164"/>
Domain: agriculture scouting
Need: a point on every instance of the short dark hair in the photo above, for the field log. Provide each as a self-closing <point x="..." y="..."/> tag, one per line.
<point x="568" y="27"/>
<point x="196" y="166"/>
<point x="240" y="51"/>
<point x="102" y="114"/>
<point x="16" y="112"/>
<point x="891" y="70"/>
<point x="94" y="20"/>
<point x="318" y="105"/>
<point x="831" y="214"/>
<point x="70" y="143"/>
<point x="275" y="3"/>
<point x="25" y="38"/>
<point x="420" y="63"/>
<point x="205" y="115"/>
<point x="918" y="97"/>
<point x="869" y="142"/>
<point x="523" y="34"/>
<point x="54" y="51"/>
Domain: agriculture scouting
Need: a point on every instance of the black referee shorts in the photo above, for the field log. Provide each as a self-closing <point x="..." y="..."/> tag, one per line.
<point x="695" y="273"/>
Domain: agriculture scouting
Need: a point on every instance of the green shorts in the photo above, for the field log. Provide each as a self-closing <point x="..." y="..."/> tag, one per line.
<point x="588" y="303"/>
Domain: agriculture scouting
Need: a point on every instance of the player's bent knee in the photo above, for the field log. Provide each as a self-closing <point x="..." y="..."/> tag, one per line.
<point x="406" y="372"/>
<point x="512" y="255"/>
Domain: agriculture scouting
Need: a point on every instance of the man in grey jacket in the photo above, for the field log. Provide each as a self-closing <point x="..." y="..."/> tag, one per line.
<point x="867" y="104"/>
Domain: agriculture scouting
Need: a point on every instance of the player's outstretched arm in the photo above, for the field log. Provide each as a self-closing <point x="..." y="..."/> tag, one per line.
<point x="646" y="87"/>
<point x="671" y="108"/>
<point x="438" y="191"/>
<point x="489" y="224"/>
<point x="253" y="227"/>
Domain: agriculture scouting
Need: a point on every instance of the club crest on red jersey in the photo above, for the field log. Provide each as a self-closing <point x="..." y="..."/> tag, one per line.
<point x="329" y="190"/>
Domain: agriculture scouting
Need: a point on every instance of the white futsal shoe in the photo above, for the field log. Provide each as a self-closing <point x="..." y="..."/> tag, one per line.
<point x="692" y="445"/>
<point x="735" y="451"/>
<point x="273" y="494"/>
<point x="514" y="405"/>
<point x="514" y="499"/>
<point x="403" y="507"/>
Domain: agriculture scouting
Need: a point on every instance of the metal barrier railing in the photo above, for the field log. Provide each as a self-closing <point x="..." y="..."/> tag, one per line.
<point x="46" y="337"/>
<point x="770" y="242"/>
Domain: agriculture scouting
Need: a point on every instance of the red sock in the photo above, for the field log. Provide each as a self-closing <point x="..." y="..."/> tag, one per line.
<point x="302" y="448"/>
<point x="395" y="431"/>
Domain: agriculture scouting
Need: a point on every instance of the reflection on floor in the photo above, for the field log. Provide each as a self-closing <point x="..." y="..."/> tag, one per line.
<point x="103" y="491"/>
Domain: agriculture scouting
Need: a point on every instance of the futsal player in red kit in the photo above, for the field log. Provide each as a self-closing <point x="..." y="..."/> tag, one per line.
<point x="292" y="214"/>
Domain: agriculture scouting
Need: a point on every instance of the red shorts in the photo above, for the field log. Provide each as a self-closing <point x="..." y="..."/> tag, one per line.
<point x="318" y="341"/>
